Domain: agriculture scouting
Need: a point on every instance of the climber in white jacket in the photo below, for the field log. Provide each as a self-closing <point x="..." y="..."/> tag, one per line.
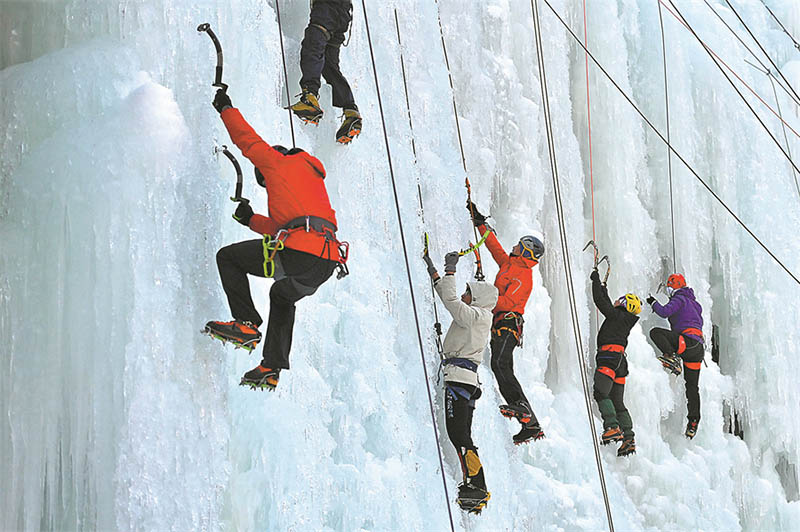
<point x="463" y="348"/>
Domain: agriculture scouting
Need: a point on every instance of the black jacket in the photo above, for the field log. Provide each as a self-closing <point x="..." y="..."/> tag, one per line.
<point x="618" y="323"/>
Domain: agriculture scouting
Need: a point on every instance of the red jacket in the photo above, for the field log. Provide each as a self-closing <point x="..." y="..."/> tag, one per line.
<point x="295" y="188"/>
<point x="514" y="281"/>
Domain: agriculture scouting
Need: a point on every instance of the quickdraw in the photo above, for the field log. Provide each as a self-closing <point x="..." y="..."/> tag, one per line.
<point x="271" y="247"/>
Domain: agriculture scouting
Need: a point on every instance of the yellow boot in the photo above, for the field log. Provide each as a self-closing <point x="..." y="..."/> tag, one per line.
<point x="307" y="108"/>
<point x="350" y="128"/>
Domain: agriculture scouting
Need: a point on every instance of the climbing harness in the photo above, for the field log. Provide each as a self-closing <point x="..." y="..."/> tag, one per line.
<point x="285" y="73"/>
<point x="672" y="148"/>
<point x="206" y="27"/>
<point x="511" y="322"/>
<point x="562" y="231"/>
<point x="408" y="270"/>
<point x="272" y="245"/>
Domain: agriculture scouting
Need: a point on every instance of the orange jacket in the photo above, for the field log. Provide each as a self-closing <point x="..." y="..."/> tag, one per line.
<point x="514" y="281"/>
<point x="295" y="188"/>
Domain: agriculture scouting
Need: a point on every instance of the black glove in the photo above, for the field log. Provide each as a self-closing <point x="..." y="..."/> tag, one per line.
<point x="595" y="276"/>
<point x="477" y="218"/>
<point x="243" y="212"/>
<point x="429" y="263"/>
<point x="650" y="299"/>
<point x="221" y="101"/>
<point x="450" y="261"/>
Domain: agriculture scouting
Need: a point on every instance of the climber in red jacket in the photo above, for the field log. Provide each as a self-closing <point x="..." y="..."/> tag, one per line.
<point x="299" y="248"/>
<point x="514" y="282"/>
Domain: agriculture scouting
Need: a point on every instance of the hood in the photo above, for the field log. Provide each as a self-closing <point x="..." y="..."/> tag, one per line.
<point x="686" y="292"/>
<point x="484" y="295"/>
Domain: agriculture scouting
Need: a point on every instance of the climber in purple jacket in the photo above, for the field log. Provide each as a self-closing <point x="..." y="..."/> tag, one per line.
<point x="684" y="342"/>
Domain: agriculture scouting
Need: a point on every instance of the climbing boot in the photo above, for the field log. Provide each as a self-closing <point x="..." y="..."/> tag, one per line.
<point x="628" y="447"/>
<point x="671" y="362"/>
<point x="307" y="108"/>
<point x="471" y="498"/>
<point x="519" y="410"/>
<point x="241" y="333"/>
<point x="261" y="377"/>
<point x="691" y="428"/>
<point x="350" y="128"/>
<point x="529" y="432"/>
<point x="610" y="435"/>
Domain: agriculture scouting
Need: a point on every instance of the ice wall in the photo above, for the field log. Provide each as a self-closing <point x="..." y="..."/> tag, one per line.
<point x="112" y="205"/>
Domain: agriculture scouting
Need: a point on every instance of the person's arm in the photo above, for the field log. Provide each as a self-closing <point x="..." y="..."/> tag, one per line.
<point x="263" y="225"/>
<point x="498" y="253"/>
<point x="665" y="311"/>
<point x="600" y="296"/>
<point x="247" y="140"/>
<point x="462" y="313"/>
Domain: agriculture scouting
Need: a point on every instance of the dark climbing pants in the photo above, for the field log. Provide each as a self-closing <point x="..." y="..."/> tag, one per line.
<point x="459" y="406"/>
<point x="319" y="52"/>
<point x="304" y="273"/>
<point x="503" y="345"/>
<point x="609" y="391"/>
<point x="667" y="342"/>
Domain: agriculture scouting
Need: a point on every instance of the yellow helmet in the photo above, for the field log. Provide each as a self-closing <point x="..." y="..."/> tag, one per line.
<point x="631" y="302"/>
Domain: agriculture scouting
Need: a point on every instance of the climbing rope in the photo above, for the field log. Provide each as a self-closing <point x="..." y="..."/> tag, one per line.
<point x="562" y="230"/>
<point x="479" y="267"/>
<point x="672" y="149"/>
<point x="752" y="53"/>
<point x="408" y="267"/>
<point x="796" y="44"/>
<point x="437" y="326"/>
<point x="719" y="62"/>
<point x="285" y="73"/>
<point x="760" y="47"/>
<point x="669" y="153"/>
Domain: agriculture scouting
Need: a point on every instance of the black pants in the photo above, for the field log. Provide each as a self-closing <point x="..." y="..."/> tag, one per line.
<point x="319" y="52"/>
<point x="667" y="341"/>
<point x="609" y="391"/>
<point x="304" y="273"/>
<point x="459" y="406"/>
<point x="503" y="368"/>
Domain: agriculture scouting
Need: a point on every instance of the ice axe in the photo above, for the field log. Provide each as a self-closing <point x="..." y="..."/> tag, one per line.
<point x="479" y="266"/>
<point x="206" y="27"/>
<point x="597" y="260"/>
<point x="238" y="194"/>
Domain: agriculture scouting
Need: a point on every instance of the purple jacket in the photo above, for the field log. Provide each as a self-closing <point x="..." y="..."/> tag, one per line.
<point x="683" y="312"/>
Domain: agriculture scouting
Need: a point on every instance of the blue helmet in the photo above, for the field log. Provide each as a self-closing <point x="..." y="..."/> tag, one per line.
<point x="531" y="247"/>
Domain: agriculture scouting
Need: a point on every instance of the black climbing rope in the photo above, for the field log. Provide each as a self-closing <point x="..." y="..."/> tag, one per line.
<point x="285" y="73"/>
<point x="672" y="149"/>
<point x="562" y="230"/>
<point x="669" y="153"/>
<point x="408" y="267"/>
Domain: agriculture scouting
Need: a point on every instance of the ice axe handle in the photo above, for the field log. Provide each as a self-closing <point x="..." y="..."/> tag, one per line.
<point x="206" y="27"/>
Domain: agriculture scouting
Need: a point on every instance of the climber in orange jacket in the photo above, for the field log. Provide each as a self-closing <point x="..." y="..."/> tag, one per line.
<point x="299" y="250"/>
<point x="514" y="282"/>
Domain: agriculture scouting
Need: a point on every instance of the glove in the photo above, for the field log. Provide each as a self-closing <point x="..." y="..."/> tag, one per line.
<point x="450" y="261"/>
<point x="595" y="276"/>
<point x="429" y="263"/>
<point x="477" y="218"/>
<point x="243" y="212"/>
<point x="221" y="101"/>
<point x="650" y="299"/>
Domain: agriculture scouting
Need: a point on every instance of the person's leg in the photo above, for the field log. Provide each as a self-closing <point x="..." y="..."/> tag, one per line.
<point x="304" y="274"/>
<point x="617" y="397"/>
<point x="603" y="382"/>
<point x="342" y="93"/>
<point x="312" y="49"/>
<point x="665" y="340"/>
<point x="692" y="359"/>
<point x="234" y="263"/>
<point x="502" y="347"/>
<point x="458" y="420"/>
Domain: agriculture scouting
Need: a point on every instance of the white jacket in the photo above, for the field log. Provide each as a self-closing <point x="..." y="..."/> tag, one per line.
<point x="469" y="333"/>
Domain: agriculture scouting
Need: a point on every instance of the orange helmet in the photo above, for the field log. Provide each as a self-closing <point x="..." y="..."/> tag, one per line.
<point x="676" y="281"/>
